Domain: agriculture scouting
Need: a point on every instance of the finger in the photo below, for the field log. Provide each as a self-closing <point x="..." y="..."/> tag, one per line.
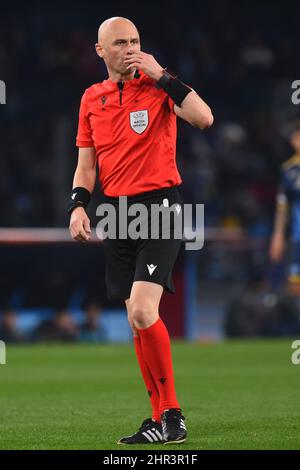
<point x="80" y="237"/>
<point x="135" y="64"/>
<point x="73" y="233"/>
<point x="80" y="240"/>
<point x="86" y="225"/>
<point x="83" y="234"/>
<point x="78" y="233"/>
<point x="134" y="53"/>
<point x="76" y="236"/>
<point x="132" y="57"/>
<point x="78" y="227"/>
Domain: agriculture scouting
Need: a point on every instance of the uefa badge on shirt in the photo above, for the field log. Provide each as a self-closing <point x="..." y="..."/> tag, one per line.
<point x="139" y="121"/>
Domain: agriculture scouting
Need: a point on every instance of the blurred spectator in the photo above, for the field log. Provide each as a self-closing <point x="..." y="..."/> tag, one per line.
<point x="256" y="53"/>
<point x="92" y="330"/>
<point x="252" y="313"/>
<point x="60" y="328"/>
<point x="257" y="311"/>
<point x="8" y="329"/>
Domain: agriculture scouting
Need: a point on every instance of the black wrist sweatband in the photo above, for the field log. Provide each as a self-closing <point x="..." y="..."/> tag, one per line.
<point x="80" y="197"/>
<point x="175" y="88"/>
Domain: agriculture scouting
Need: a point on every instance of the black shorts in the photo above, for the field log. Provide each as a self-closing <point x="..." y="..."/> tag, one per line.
<point x="151" y="259"/>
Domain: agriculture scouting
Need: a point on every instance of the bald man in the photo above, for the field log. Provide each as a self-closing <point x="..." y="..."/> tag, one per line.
<point x="127" y="125"/>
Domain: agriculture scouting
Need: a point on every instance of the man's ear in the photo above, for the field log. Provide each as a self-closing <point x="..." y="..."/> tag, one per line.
<point x="99" y="50"/>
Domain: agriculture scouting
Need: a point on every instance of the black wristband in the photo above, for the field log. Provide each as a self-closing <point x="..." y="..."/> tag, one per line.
<point x="173" y="87"/>
<point x="80" y="197"/>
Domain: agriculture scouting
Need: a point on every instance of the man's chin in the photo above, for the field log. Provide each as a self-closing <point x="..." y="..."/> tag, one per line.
<point x="124" y="71"/>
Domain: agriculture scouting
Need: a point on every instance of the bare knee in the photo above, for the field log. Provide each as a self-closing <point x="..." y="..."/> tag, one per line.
<point x="141" y="315"/>
<point x="133" y="328"/>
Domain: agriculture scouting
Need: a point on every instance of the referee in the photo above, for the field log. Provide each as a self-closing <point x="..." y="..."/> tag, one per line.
<point x="127" y="126"/>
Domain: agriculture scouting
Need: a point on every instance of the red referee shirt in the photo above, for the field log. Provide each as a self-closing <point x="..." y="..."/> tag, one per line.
<point x="134" y="135"/>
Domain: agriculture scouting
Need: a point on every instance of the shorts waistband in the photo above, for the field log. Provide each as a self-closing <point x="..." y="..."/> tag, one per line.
<point x="143" y="196"/>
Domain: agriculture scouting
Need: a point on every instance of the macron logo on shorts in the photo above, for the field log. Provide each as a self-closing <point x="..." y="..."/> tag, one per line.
<point x="151" y="268"/>
<point x="73" y="196"/>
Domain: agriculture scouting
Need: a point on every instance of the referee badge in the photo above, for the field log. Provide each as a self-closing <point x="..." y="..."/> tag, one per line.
<point x="139" y="121"/>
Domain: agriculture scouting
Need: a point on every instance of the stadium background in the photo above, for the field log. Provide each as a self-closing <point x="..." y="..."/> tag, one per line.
<point x="242" y="59"/>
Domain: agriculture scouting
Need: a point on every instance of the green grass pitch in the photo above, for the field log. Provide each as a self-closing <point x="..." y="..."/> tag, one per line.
<point x="235" y="395"/>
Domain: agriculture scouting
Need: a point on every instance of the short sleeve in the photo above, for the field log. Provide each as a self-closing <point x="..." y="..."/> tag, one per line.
<point x="84" y="133"/>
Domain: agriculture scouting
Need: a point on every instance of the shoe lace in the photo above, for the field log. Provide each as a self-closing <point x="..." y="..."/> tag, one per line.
<point x="146" y="424"/>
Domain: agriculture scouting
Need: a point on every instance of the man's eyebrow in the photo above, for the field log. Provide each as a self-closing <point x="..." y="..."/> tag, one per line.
<point x="125" y="40"/>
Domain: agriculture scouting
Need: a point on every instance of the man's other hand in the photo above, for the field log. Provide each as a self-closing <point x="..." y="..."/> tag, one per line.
<point x="80" y="225"/>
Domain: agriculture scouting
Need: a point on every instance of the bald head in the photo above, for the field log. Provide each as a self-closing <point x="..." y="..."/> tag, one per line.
<point x="117" y="37"/>
<point x="113" y="26"/>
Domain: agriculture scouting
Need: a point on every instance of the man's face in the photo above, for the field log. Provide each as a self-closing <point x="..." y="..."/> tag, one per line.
<point x="295" y="141"/>
<point x="118" y="40"/>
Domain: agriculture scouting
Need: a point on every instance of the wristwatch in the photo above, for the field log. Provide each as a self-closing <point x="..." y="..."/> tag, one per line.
<point x="165" y="78"/>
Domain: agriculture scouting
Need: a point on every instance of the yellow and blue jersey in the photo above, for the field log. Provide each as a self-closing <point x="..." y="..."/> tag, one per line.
<point x="289" y="199"/>
<point x="289" y="194"/>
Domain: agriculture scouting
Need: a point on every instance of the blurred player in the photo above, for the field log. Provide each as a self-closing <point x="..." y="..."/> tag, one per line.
<point x="288" y="211"/>
<point x="127" y="125"/>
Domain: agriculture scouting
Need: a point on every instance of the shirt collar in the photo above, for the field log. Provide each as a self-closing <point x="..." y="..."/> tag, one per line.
<point x="109" y="85"/>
